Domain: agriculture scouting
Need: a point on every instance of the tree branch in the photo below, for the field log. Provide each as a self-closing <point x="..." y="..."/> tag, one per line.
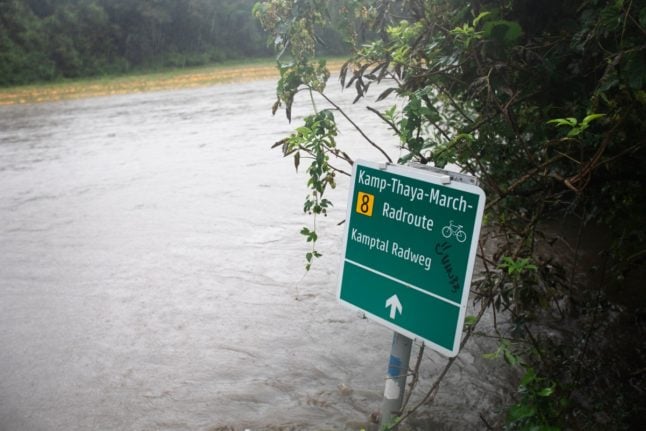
<point x="338" y="108"/>
<point x="384" y="119"/>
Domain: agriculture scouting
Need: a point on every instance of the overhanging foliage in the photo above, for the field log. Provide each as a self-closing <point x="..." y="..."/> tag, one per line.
<point x="544" y="102"/>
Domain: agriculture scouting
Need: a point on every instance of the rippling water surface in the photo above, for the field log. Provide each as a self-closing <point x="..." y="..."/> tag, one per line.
<point x="151" y="275"/>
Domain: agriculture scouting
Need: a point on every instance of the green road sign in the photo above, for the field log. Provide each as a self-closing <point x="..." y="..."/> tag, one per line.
<point x="410" y="247"/>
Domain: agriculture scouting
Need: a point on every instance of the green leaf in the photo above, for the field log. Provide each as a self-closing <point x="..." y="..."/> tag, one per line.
<point x="592" y="117"/>
<point x="492" y="355"/>
<point x="548" y="391"/>
<point x="510" y="358"/>
<point x="470" y="320"/>
<point x="465" y="137"/>
<point x="481" y="16"/>
<point x="528" y="377"/>
<point x="505" y="31"/>
<point x="390" y="112"/>
<point x="521" y="411"/>
<point x="570" y="121"/>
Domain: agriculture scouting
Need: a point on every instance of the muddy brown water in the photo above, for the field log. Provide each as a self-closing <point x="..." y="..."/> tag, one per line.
<point x="152" y="275"/>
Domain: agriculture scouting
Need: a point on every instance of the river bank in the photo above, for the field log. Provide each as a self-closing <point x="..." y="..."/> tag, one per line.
<point x="143" y="82"/>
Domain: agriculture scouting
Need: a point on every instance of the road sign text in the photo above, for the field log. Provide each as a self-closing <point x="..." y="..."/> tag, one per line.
<point x="409" y="250"/>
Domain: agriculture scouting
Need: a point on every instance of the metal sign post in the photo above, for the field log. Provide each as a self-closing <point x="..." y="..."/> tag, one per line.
<point x="395" y="379"/>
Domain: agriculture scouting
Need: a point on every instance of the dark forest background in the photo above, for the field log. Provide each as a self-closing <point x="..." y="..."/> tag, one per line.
<point x="44" y="40"/>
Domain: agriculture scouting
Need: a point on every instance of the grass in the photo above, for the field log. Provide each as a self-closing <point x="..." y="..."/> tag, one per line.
<point x="141" y="82"/>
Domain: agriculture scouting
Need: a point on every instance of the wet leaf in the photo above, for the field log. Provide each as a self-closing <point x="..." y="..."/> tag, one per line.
<point x="343" y="73"/>
<point x="288" y="112"/>
<point x="385" y="94"/>
<point x="279" y="143"/>
<point x="297" y="160"/>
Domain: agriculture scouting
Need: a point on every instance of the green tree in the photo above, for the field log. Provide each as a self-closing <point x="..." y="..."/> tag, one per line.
<point x="49" y="39"/>
<point x="79" y="38"/>
<point x="23" y="53"/>
<point x="543" y="102"/>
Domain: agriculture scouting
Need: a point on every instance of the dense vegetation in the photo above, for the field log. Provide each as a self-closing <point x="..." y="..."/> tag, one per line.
<point x="42" y="40"/>
<point x="544" y="102"/>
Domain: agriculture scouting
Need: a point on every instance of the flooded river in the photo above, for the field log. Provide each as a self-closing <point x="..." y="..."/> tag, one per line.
<point x="152" y="275"/>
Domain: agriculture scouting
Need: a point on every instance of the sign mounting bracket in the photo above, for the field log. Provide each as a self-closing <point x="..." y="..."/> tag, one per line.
<point x="454" y="176"/>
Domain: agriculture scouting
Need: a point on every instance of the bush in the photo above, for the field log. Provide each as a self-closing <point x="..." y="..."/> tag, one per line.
<point x="544" y="103"/>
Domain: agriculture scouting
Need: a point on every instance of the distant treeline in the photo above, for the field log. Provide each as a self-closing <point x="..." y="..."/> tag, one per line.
<point x="43" y="40"/>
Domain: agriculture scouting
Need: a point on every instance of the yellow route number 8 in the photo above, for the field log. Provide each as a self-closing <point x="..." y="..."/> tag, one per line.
<point x="365" y="203"/>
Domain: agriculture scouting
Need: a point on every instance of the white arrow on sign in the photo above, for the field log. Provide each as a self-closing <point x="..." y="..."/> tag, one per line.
<point x="395" y="306"/>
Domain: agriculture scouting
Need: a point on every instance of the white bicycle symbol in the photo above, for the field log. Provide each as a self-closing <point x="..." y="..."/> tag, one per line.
<point x="454" y="229"/>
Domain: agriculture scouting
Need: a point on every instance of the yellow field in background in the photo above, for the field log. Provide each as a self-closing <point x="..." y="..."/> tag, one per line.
<point x="181" y="78"/>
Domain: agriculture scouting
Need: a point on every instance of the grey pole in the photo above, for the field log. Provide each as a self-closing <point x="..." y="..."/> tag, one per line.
<point x="395" y="379"/>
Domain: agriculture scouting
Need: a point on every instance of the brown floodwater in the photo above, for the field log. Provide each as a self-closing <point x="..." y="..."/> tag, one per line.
<point x="152" y="275"/>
